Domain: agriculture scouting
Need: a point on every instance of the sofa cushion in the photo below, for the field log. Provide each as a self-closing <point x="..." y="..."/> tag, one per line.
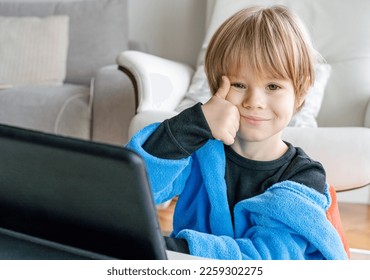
<point x="63" y="110"/>
<point x="33" y="50"/>
<point x="98" y="31"/>
<point x="343" y="151"/>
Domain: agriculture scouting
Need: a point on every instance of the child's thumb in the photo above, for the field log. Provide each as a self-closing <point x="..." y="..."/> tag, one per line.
<point x="224" y="88"/>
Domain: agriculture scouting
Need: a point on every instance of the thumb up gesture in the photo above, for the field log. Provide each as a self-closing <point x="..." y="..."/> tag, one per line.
<point x="222" y="116"/>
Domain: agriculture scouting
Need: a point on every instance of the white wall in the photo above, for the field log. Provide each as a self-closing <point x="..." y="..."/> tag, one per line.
<point x="172" y="29"/>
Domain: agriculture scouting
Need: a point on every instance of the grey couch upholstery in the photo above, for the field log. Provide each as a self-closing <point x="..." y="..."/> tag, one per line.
<point x="95" y="102"/>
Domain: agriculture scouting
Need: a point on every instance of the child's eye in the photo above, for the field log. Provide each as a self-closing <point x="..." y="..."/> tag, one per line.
<point x="238" y="85"/>
<point x="273" y="87"/>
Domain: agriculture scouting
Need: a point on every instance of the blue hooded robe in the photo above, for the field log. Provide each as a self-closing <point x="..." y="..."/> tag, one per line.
<point x="288" y="221"/>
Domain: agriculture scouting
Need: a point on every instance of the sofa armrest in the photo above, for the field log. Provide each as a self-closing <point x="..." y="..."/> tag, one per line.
<point x="160" y="83"/>
<point x="343" y="151"/>
<point x="143" y="119"/>
<point x="113" y="106"/>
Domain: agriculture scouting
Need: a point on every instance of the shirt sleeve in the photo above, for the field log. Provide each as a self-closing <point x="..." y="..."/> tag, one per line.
<point x="180" y="136"/>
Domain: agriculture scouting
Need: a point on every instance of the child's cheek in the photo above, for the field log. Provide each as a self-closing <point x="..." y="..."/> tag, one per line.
<point x="236" y="96"/>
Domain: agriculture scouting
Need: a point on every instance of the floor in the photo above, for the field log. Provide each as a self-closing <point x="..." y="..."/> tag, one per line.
<point x="165" y="217"/>
<point x="355" y="222"/>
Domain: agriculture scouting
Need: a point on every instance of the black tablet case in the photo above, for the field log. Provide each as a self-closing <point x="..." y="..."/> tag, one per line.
<point x="64" y="198"/>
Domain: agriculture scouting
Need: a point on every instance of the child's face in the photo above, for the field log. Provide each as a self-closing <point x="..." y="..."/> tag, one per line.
<point x="266" y="105"/>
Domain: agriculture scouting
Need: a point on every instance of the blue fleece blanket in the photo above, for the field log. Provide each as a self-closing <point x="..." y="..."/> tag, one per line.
<point x="288" y="221"/>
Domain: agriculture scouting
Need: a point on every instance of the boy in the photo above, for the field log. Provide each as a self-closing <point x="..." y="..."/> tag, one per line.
<point x="243" y="192"/>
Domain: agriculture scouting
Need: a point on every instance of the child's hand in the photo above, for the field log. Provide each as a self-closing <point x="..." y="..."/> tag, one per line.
<point x="222" y="116"/>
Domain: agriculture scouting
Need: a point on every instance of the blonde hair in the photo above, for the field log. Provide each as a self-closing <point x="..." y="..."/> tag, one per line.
<point x="271" y="40"/>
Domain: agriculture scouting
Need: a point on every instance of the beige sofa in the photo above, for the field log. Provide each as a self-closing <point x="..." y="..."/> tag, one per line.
<point x="91" y="99"/>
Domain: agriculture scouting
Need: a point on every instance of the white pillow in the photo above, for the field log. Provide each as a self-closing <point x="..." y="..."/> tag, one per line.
<point x="33" y="51"/>
<point x="199" y="92"/>
<point x="306" y="117"/>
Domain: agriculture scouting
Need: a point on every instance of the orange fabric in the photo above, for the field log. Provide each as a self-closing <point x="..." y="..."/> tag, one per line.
<point x="334" y="217"/>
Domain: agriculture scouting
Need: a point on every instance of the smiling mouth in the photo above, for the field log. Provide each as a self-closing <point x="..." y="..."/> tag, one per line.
<point x="255" y="120"/>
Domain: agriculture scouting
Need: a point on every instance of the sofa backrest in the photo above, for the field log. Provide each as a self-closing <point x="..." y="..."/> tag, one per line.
<point x="98" y="30"/>
<point x="340" y="32"/>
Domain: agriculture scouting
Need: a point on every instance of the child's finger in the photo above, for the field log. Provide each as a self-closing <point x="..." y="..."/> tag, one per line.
<point x="224" y="88"/>
<point x="229" y="138"/>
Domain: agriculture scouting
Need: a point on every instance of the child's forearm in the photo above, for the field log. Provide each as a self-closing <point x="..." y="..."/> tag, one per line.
<point x="179" y="136"/>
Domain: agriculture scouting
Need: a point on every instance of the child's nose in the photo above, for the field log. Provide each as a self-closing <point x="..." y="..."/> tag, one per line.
<point x="254" y="99"/>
